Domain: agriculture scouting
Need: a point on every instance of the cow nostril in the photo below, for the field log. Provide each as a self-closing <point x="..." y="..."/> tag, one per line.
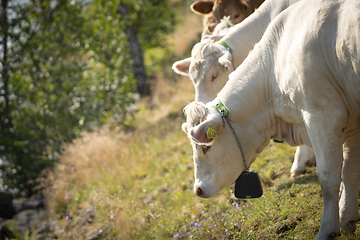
<point x="198" y="191"/>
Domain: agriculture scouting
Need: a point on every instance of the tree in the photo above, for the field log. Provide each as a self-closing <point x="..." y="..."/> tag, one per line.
<point x="135" y="49"/>
<point x="65" y="67"/>
<point x="154" y="21"/>
<point x="31" y="36"/>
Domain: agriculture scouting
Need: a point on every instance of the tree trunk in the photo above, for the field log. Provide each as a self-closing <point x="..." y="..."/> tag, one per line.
<point x="135" y="50"/>
<point x="4" y="60"/>
<point x="5" y="111"/>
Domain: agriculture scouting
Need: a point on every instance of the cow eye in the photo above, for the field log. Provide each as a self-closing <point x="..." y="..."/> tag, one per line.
<point x="205" y="149"/>
<point x="214" y="76"/>
<point x="237" y="15"/>
<point x="245" y="9"/>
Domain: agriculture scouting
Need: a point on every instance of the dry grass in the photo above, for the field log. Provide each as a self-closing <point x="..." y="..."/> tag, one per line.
<point x="105" y="172"/>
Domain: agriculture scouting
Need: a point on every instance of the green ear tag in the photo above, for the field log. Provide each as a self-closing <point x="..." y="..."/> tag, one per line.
<point x="220" y="107"/>
<point x="210" y="133"/>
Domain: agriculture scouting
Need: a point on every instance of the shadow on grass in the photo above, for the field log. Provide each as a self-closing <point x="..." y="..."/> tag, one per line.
<point x="304" y="179"/>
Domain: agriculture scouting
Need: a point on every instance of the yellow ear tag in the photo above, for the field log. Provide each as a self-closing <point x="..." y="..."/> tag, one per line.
<point x="210" y="133"/>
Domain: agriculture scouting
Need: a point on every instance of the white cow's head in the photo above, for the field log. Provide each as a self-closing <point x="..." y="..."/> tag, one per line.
<point x="218" y="161"/>
<point x="208" y="68"/>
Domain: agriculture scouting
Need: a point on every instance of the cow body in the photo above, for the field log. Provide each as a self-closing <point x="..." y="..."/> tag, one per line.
<point x="301" y="83"/>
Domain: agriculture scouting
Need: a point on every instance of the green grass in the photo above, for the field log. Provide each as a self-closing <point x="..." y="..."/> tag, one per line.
<point x="141" y="184"/>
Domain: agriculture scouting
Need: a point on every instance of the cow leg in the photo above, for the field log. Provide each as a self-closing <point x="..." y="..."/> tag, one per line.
<point x="349" y="210"/>
<point x="326" y="137"/>
<point x="329" y="172"/>
<point x="303" y="156"/>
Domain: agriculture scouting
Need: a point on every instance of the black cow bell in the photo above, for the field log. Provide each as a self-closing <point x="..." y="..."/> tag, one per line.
<point x="248" y="185"/>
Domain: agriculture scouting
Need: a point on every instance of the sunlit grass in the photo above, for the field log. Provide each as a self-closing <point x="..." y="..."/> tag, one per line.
<point x="140" y="184"/>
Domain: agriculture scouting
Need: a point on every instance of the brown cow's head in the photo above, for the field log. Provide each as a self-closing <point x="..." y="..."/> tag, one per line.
<point x="238" y="10"/>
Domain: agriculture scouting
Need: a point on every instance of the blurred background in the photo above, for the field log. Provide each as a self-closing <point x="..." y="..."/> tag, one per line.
<point x="73" y="66"/>
<point x="91" y="145"/>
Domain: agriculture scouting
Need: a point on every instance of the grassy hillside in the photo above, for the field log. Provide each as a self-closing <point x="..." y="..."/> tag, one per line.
<point x="138" y="183"/>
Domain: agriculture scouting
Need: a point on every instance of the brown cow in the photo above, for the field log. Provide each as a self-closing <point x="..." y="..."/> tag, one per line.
<point x="214" y="10"/>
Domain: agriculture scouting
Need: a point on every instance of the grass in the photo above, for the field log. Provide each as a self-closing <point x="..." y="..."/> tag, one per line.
<point x="139" y="183"/>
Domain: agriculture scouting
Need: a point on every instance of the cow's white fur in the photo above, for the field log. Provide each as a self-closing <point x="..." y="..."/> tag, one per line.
<point x="209" y="59"/>
<point x="241" y="38"/>
<point x="223" y="27"/>
<point x="301" y="83"/>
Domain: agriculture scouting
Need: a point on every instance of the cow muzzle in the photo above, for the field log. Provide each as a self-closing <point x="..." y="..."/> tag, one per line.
<point x="198" y="191"/>
<point x="205" y="192"/>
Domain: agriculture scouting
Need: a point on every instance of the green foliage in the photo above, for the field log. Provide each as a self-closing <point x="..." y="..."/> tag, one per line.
<point x="156" y="12"/>
<point x="66" y="68"/>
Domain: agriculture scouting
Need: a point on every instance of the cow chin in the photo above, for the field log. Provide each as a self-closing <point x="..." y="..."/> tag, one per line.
<point x="208" y="191"/>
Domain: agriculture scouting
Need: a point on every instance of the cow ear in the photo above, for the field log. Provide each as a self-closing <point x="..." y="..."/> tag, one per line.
<point x="225" y="60"/>
<point x="182" y="67"/>
<point x="206" y="131"/>
<point x="202" y="7"/>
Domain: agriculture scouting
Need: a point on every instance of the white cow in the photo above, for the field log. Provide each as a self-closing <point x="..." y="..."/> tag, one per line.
<point x="210" y="64"/>
<point x="301" y="83"/>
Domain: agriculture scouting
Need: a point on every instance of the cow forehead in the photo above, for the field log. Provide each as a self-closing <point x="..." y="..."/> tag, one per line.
<point x="226" y="6"/>
<point x="200" y="65"/>
<point x="203" y="49"/>
<point x="197" y="71"/>
<point x="223" y="2"/>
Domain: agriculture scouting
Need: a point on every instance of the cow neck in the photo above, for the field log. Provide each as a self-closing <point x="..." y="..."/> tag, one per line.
<point x="245" y="35"/>
<point x="223" y="113"/>
<point x="248" y="184"/>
